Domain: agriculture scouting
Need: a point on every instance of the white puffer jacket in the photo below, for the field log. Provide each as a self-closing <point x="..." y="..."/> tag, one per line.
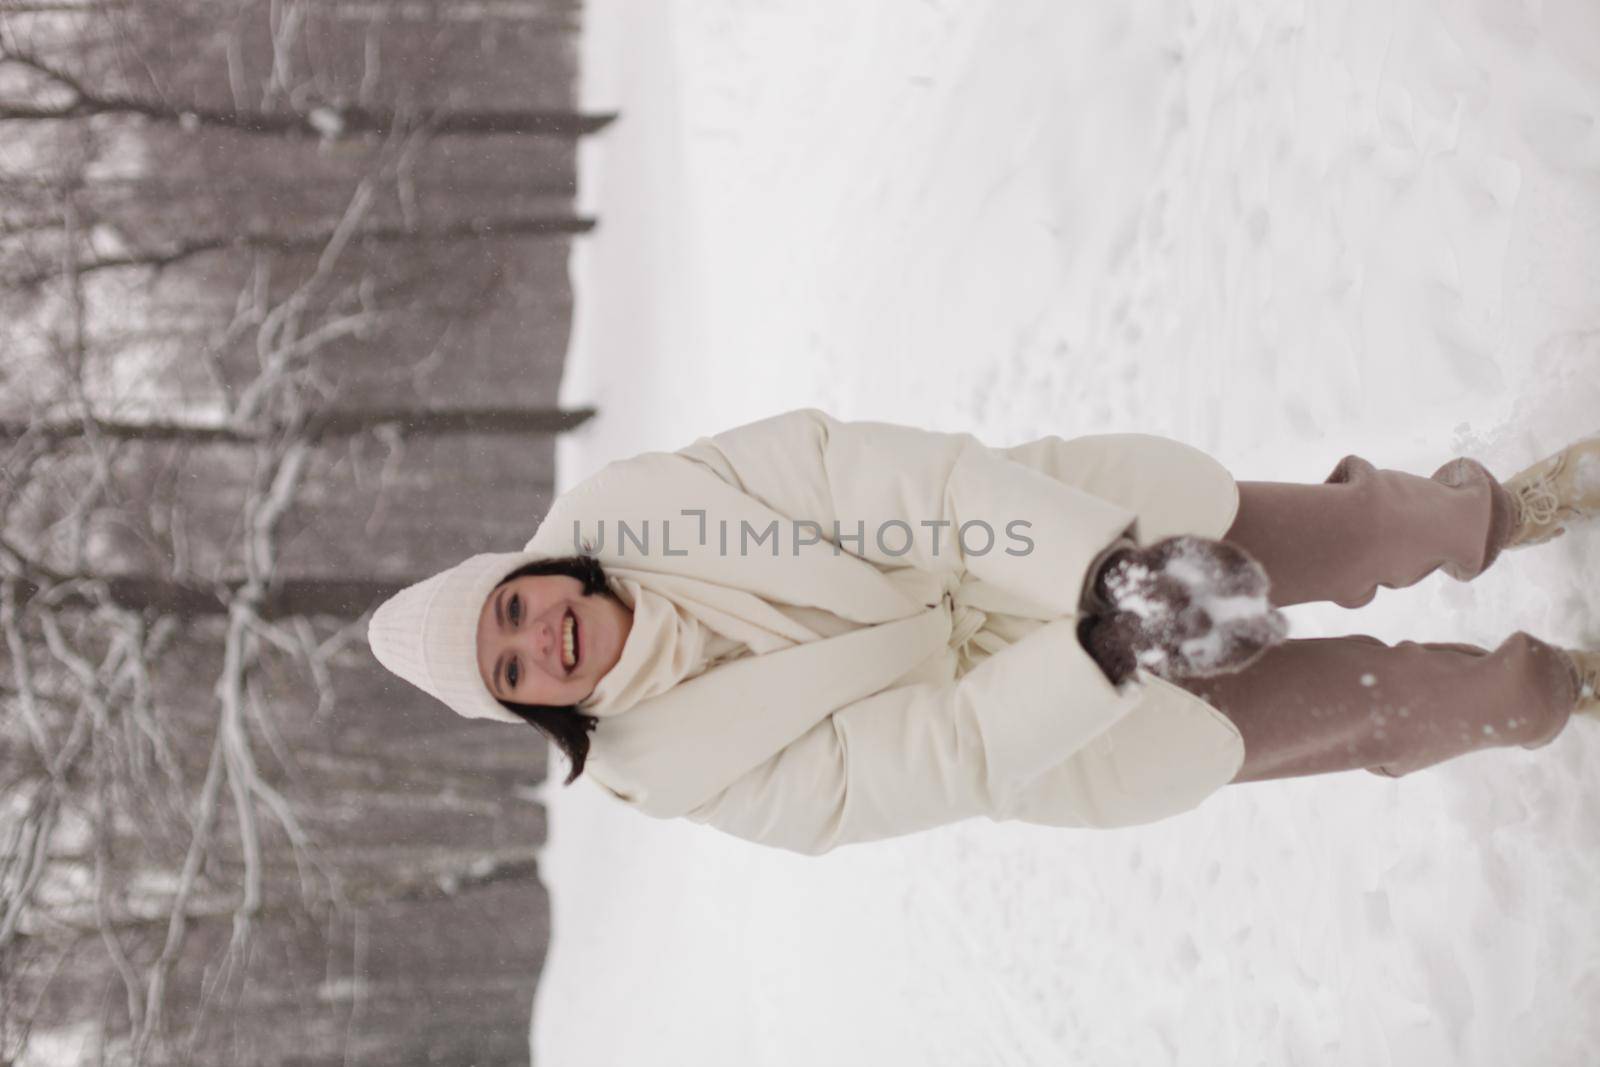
<point x="952" y="684"/>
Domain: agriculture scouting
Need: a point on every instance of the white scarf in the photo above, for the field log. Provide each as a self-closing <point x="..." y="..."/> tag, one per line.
<point x="682" y="626"/>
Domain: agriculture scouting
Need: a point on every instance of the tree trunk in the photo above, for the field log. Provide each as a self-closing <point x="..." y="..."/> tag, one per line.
<point x="471" y="229"/>
<point x="344" y="598"/>
<point x="331" y="123"/>
<point x="410" y="422"/>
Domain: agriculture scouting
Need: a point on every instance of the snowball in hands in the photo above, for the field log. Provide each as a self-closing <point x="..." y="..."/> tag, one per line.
<point x="1180" y="608"/>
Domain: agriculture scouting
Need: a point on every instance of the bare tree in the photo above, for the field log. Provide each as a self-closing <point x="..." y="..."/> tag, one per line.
<point x="161" y="258"/>
<point x="55" y="90"/>
<point x="187" y="862"/>
<point x="407" y="422"/>
<point x="84" y="648"/>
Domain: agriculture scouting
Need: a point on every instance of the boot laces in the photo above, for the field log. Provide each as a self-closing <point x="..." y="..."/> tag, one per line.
<point x="1539" y="502"/>
<point x="1588" y="671"/>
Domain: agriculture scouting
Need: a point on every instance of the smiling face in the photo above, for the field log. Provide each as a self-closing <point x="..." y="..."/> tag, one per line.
<point x="523" y="651"/>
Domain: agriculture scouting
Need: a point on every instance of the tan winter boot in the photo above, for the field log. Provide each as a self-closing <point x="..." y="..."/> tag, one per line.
<point x="1559" y="491"/>
<point x="1588" y="664"/>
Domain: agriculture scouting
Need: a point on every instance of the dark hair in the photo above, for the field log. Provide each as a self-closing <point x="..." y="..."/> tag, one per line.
<point x="565" y="725"/>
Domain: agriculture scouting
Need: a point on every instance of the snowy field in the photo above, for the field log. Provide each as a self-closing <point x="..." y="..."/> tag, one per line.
<point x="1281" y="232"/>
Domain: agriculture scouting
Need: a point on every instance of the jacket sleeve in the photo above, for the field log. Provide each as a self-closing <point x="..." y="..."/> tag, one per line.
<point x="902" y="496"/>
<point x="919" y="756"/>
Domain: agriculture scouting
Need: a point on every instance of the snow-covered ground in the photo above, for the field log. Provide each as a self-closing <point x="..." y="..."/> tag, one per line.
<point x="1282" y="232"/>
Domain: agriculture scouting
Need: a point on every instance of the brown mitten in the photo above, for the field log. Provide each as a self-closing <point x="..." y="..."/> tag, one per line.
<point x="1183" y="607"/>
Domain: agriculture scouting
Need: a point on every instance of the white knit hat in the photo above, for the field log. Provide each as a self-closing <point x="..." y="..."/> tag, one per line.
<point x="428" y="633"/>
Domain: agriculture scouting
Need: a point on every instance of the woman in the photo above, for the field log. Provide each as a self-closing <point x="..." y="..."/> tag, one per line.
<point x="808" y="632"/>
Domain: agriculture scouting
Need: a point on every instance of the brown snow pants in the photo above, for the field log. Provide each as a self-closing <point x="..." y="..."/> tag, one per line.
<point x="1341" y="703"/>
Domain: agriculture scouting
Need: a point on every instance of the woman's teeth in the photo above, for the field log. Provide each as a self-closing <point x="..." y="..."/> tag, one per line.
<point x="569" y="642"/>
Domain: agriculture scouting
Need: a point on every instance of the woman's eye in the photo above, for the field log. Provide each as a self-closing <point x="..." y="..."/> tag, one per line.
<point x="515" y="609"/>
<point x="511" y="674"/>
